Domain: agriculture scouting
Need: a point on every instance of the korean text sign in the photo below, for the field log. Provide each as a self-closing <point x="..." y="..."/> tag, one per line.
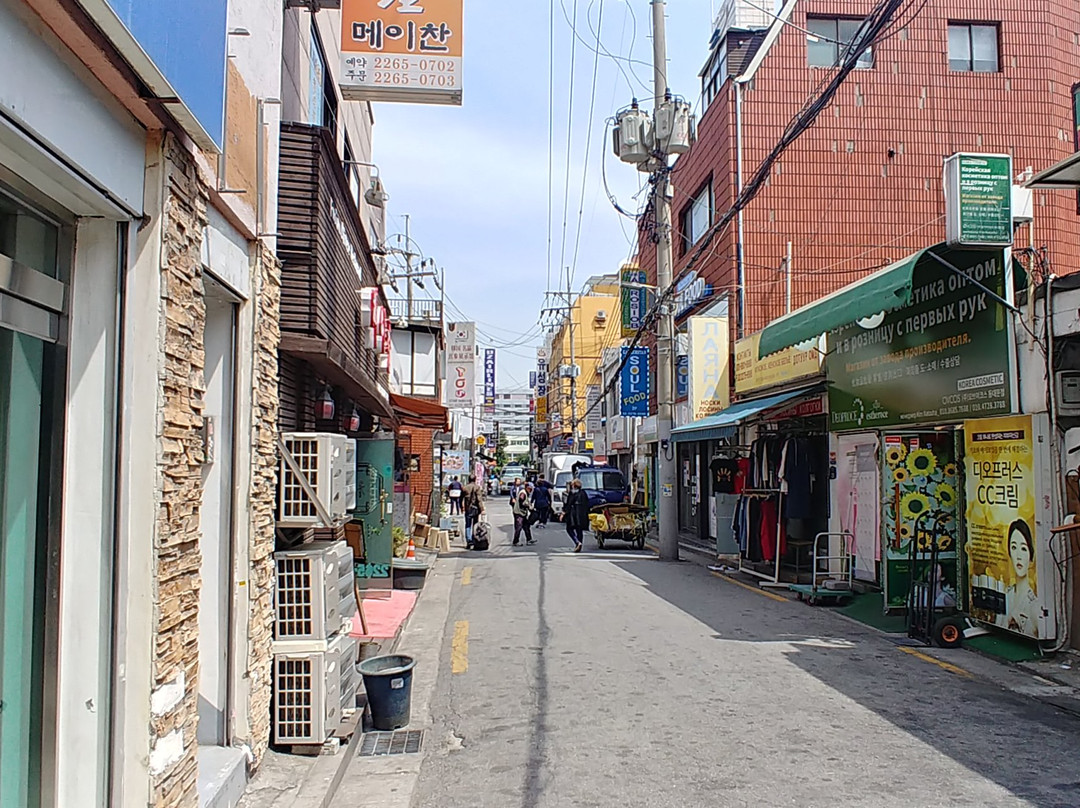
<point x="943" y="358"/>
<point x="710" y="358"/>
<point x="635" y="301"/>
<point x="402" y="50"/>
<point x="461" y="364"/>
<point x="489" y="381"/>
<point x="1001" y="502"/>
<point x="634" y="383"/>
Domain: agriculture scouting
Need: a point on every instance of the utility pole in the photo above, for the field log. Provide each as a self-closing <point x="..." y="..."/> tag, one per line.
<point x="573" y="361"/>
<point x="408" y="270"/>
<point x="667" y="510"/>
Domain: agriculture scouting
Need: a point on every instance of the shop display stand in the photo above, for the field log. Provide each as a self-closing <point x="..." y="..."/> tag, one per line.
<point x="774" y="579"/>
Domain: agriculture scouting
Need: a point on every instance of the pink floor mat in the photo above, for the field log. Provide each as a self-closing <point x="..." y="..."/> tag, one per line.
<point x="384" y="615"/>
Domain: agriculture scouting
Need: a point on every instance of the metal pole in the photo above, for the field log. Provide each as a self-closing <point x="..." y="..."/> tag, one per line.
<point x="667" y="516"/>
<point x="408" y="270"/>
<point x="787" y="268"/>
<point x="573" y="357"/>
<point x="740" y="269"/>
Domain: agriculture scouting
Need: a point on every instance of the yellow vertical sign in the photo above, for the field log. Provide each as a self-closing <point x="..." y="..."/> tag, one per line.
<point x="541" y="410"/>
<point x="1001" y="499"/>
<point x="710" y="358"/>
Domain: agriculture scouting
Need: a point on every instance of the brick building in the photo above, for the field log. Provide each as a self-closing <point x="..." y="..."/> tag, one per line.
<point x="863" y="186"/>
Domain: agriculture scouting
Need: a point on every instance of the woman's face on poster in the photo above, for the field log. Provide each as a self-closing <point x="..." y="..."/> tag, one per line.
<point x="1019" y="554"/>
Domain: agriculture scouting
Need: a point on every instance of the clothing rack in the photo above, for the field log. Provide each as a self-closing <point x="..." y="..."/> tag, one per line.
<point x="774" y="579"/>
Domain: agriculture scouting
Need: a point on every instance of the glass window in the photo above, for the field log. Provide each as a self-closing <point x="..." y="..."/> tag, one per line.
<point x="973" y="48"/>
<point x="697" y="217"/>
<point x="827" y="42"/>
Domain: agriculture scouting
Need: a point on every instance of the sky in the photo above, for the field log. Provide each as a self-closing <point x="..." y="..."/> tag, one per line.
<point x="475" y="179"/>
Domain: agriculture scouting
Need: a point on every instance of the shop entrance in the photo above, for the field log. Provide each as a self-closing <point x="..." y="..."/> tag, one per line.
<point x="216" y="515"/>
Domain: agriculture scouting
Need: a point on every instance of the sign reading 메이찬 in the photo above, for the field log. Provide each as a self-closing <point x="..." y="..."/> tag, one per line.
<point x="943" y="358"/>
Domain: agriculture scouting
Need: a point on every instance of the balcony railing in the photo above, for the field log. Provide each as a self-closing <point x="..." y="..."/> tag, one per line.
<point x="424" y="312"/>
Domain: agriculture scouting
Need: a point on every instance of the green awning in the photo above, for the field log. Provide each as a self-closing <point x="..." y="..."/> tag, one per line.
<point x="885" y="290"/>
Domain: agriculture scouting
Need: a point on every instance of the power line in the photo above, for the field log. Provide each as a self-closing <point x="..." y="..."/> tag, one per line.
<point x="569" y="133"/>
<point x="588" y="151"/>
<point x="551" y="135"/>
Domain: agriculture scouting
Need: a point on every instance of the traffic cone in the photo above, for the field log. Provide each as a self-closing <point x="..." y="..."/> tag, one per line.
<point x="411" y="551"/>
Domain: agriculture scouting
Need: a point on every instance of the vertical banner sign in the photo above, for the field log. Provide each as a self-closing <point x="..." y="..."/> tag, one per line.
<point x="461" y="365"/>
<point x="978" y="200"/>
<point x="594" y="419"/>
<point x="634" y="383"/>
<point x="541" y="387"/>
<point x="682" y="377"/>
<point x="532" y="379"/>
<point x="635" y="301"/>
<point x="402" y="50"/>
<point x="489" y="381"/>
<point x="1000" y="488"/>
<point x="710" y="357"/>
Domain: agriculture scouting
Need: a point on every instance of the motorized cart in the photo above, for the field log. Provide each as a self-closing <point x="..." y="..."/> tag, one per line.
<point x="831" y="575"/>
<point x="932" y="616"/>
<point x="623" y="522"/>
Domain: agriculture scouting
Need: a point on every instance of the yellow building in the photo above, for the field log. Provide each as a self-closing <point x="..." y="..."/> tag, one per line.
<point x="595" y="323"/>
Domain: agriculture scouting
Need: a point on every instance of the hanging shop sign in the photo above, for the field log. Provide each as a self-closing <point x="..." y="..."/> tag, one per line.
<point x="942" y="359"/>
<point x="541" y="387"/>
<point x="809" y="408"/>
<point x="978" y="200"/>
<point x="402" y="50"/>
<point x="594" y="420"/>
<point x="634" y="383"/>
<point x="489" y="381"/>
<point x="455" y="463"/>
<point x="461" y="364"/>
<point x="532" y="379"/>
<point x="710" y="355"/>
<point x="788" y="365"/>
<point x="1006" y="582"/>
<point x="682" y="376"/>
<point x="635" y="301"/>
<point x="541" y="410"/>
<point x="689" y="292"/>
<point x="375" y="321"/>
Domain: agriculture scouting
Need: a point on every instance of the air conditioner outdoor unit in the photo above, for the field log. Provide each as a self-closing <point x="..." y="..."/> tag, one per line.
<point x="308" y="699"/>
<point x="601" y="315"/>
<point x="322" y="460"/>
<point x="314" y="596"/>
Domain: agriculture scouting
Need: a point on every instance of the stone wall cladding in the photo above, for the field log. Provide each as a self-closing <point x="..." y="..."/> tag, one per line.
<point x="267" y="295"/>
<point x="183" y="310"/>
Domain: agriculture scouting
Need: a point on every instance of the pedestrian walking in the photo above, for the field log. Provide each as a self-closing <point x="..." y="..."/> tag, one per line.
<point x="523" y="510"/>
<point x="453" y="493"/>
<point x="576" y="513"/>
<point x="473" y="497"/>
<point x="514" y="489"/>
<point x="542" y="501"/>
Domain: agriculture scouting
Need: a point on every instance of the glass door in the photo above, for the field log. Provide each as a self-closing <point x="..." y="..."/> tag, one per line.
<point x="31" y="300"/>
<point x="22" y="540"/>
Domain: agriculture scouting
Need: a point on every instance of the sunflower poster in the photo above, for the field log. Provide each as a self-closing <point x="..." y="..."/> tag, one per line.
<point x="920" y="481"/>
<point x="1001" y="501"/>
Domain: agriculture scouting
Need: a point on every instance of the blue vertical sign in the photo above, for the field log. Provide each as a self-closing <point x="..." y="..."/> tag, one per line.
<point x="634" y="392"/>
<point x="532" y="379"/>
<point x="489" y="381"/>
<point x="682" y="377"/>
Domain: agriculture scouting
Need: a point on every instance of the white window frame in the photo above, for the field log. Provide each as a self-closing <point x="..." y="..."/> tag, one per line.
<point x="831" y="39"/>
<point x="965" y="62"/>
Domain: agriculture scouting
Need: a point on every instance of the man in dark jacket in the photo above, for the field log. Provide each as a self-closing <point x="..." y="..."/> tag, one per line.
<point x="576" y="512"/>
<point x="542" y="502"/>
<point x="473" y="498"/>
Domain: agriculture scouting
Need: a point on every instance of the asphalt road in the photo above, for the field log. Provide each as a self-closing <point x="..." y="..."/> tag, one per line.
<point x="612" y="679"/>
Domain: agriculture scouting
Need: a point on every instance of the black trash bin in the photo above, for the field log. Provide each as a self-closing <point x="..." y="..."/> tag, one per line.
<point x="388" y="682"/>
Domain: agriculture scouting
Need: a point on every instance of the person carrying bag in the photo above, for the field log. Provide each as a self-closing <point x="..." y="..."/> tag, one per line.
<point x="523" y="509"/>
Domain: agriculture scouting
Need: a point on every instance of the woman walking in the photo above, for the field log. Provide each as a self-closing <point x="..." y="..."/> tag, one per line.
<point x="523" y="509"/>
<point x="576" y="512"/>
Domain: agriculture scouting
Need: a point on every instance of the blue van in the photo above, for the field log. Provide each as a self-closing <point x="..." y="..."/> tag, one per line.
<point x="604" y="485"/>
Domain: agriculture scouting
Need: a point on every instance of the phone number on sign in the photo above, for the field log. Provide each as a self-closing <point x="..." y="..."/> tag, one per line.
<point x="407" y="80"/>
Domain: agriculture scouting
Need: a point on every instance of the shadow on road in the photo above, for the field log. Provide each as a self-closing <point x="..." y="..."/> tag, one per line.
<point x="1025" y="746"/>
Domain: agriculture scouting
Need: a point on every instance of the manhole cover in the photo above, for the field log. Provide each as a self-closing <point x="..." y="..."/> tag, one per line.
<point x="402" y="742"/>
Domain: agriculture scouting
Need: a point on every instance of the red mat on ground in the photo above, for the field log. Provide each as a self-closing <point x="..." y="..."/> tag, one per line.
<point x="384" y="615"/>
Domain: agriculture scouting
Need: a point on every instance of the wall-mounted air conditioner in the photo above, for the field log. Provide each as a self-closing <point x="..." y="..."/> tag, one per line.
<point x="308" y="698"/>
<point x="314" y="596"/>
<point x="321" y="460"/>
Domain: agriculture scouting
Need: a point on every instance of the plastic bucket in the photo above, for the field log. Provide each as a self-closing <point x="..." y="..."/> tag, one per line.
<point x="388" y="682"/>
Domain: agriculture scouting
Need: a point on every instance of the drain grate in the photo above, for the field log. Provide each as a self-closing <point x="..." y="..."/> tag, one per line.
<point x="402" y="742"/>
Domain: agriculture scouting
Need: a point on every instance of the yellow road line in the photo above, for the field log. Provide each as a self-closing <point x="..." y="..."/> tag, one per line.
<point x="758" y="590"/>
<point x="946" y="666"/>
<point x="459" y="647"/>
<point x="466" y="576"/>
